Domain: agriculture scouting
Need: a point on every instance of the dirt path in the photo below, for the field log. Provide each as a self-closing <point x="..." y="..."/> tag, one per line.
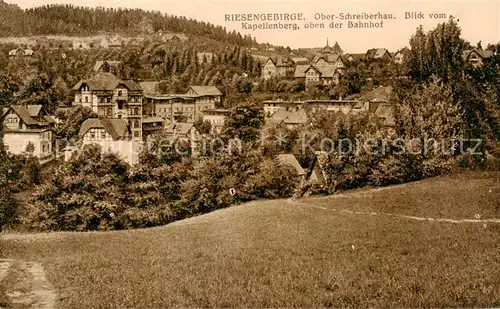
<point x="43" y="292"/>
<point x="27" y="284"/>
<point x="4" y="268"/>
<point x="387" y="214"/>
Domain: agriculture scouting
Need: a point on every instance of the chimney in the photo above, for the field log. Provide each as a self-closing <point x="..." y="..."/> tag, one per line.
<point x="369" y="84"/>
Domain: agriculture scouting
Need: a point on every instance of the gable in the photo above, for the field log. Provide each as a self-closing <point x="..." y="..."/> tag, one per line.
<point x="312" y="69"/>
<point x="321" y="61"/>
<point x="84" y="87"/>
<point x="11" y="119"/>
<point x="474" y="55"/>
<point x="121" y="87"/>
<point x="269" y="63"/>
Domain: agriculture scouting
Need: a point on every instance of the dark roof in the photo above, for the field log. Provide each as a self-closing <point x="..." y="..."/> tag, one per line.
<point x="206" y="90"/>
<point x="152" y="120"/>
<point x="337" y="49"/>
<point x="325" y="70"/>
<point x="111" y="63"/>
<point x="300" y="60"/>
<point x="355" y="57"/>
<point x="117" y="128"/>
<point x="179" y="127"/>
<point x="376" y="53"/>
<point x="131" y="85"/>
<point x="34" y="110"/>
<point x="317" y="172"/>
<point x="381" y="94"/>
<point x="485" y="54"/>
<point x="100" y="81"/>
<point x="49" y="119"/>
<point x="290" y="160"/>
<point x="280" y="61"/>
<point x="405" y="51"/>
<point x="282" y="115"/>
<point x="24" y="114"/>
<point x="330" y="58"/>
<point x="384" y="111"/>
<point x="149" y="87"/>
<point x="107" y="82"/>
<point x="185" y="97"/>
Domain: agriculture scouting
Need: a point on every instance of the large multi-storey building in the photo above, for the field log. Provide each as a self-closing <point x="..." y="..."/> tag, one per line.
<point x="187" y="107"/>
<point x="376" y="101"/>
<point x="111" y="97"/>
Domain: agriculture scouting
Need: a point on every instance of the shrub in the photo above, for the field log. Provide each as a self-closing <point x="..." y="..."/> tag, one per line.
<point x="271" y="181"/>
<point x="8" y="208"/>
<point x="83" y="194"/>
<point x="25" y="171"/>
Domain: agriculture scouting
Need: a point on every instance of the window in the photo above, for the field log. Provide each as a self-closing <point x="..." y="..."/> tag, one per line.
<point x="136" y="111"/>
<point x="136" y="123"/>
<point x="119" y="93"/>
<point x="86" y="99"/>
<point x="103" y="135"/>
<point x="136" y="134"/>
<point x="92" y="135"/>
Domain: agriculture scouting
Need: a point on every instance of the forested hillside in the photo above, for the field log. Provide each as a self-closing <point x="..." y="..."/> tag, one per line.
<point x="82" y="21"/>
<point x="47" y="77"/>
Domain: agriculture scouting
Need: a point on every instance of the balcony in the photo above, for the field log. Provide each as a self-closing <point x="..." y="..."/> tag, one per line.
<point x="120" y="98"/>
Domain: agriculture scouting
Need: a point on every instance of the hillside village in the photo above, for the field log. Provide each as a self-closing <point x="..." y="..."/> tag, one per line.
<point x="166" y="108"/>
<point x="260" y="175"/>
<point x="128" y="111"/>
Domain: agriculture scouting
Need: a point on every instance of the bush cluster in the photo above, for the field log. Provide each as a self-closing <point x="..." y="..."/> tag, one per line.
<point x="98" y="191"/>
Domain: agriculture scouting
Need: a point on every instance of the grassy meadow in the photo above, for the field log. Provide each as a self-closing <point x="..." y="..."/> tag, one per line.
<point x="285" y="253"/>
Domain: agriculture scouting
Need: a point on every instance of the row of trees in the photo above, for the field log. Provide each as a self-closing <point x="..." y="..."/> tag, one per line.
<point x="83" y="21"/>
<point x="474" y="90"/>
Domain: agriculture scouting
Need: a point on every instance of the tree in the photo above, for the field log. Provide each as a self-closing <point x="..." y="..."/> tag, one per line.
<point x="244" y="122"/>
<point x="437" y="53"/>
<point x="430" y="123"/>
<point x="271" y="181"/>
<point x="72" y="118"/>
<point x="162" y="149"/>
<point x="7" y="89"/>
<point x="8" y="206"/>
<point x="83" y="194"/>
<point x="203" y="127"/>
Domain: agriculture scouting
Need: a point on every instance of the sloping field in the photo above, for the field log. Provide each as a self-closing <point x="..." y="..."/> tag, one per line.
<point x="435" y="243"/>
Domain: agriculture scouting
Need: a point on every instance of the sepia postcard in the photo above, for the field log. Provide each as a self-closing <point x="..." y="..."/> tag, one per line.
<point x="249" y="154"/>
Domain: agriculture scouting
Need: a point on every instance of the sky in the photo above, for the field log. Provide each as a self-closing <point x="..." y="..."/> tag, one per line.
<point x="479" y="20"/>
